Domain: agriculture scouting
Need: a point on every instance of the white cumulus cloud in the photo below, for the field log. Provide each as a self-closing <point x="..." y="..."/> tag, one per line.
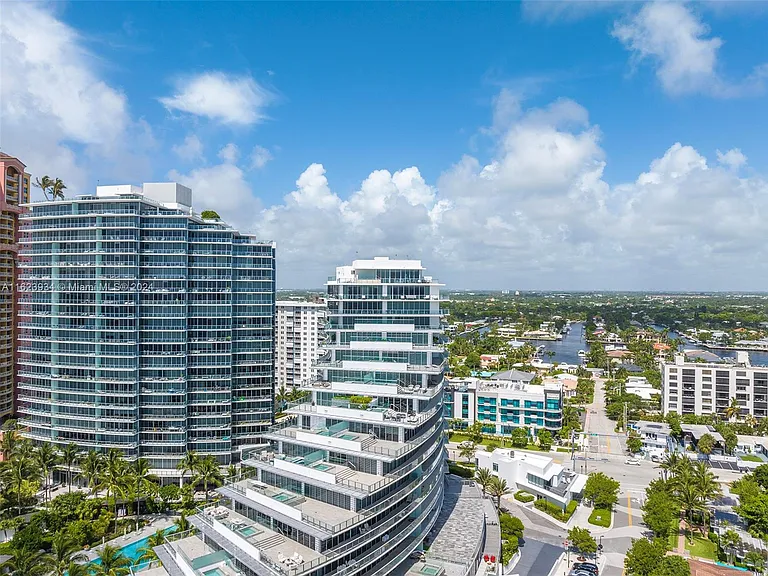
<point x="260" y="157"/>
<point x="234" y="100"/>
<point x="681" y="48"/>
<point x="52" y="96"/>
<point x="230" y="153"/>
<point x="189" y="150"/>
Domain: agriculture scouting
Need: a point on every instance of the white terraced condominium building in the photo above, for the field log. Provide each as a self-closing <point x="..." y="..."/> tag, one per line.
<point x="143" y="327"/>
<point x="707" y="388"/>
<point x="353" y="478"/>
<point x="298" y="330"/>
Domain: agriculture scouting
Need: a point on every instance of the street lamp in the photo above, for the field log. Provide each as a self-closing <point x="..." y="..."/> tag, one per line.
<point x="600" y="546"/>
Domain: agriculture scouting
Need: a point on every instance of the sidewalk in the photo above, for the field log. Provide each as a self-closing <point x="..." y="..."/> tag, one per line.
<point x="563" y="566"/>
<point x="581" y="518"/>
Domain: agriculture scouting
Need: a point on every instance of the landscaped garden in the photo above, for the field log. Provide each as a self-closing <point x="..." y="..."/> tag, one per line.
<point x="600" y="517"/>
<point x="701" y="547"/>
<point x="523" y="496"/>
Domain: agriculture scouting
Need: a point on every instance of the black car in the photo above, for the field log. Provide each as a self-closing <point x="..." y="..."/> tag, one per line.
<point x="586" y="566"/>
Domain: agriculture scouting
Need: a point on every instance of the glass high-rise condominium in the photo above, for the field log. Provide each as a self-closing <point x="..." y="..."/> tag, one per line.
<point x="354" y="478"/>
<point x="144" y="327"/>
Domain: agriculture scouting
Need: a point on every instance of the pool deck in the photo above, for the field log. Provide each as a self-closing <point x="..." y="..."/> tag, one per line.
<point x="157" y="522"/>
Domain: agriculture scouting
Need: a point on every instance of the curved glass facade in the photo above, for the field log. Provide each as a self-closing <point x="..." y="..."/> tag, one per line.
<point x="353" y="479"/>
<point x="145" y="328"/>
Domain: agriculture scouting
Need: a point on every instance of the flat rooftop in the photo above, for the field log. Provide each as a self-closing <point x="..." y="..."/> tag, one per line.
<point x="457" y="535"/>
<point x="316" y="509"/>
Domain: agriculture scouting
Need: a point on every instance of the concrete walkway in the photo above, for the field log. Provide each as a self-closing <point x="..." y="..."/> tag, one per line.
<point x="157" y="522"/>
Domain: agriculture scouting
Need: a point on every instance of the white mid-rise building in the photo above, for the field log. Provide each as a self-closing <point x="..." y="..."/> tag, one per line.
<point x="536" y="474"/>
<point x="298" y="331"/>
<point x="639" y="386"/>
<point x="707" y="388"/>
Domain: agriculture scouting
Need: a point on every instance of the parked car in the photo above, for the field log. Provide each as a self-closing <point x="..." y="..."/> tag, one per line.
<point x="586" y="567"/>
<point x="632" y="462"/>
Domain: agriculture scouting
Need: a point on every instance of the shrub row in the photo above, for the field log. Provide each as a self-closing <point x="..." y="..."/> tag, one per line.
<point x="555" y="511"/>
<point x="523" y="496"/>
<point x="460" y="470"/>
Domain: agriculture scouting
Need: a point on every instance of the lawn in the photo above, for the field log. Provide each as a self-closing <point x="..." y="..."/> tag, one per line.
<point x="674" y="531"/>
<point x="702" y="548"/>
<point x="499" y="441"/>
<point x="751" y="458"/>
<point x="600" y="517"/>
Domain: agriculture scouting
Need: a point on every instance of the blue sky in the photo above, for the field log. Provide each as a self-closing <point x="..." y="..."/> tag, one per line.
<point x="520" y="132"/>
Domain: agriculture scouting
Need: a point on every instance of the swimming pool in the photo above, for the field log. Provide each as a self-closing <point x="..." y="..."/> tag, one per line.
<point x="322" y="467"/>
<point x="247" y="531"/>
<point x="133" y="551"/>
<point x="282" y="497"/>
<point x="214" y="572"/>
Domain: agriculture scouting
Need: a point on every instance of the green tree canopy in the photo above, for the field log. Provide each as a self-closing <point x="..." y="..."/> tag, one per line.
<point x="519" y="438"/>
<point x="659" y="513"/>
<point x="601" y="490"/>
<point x="643" y="557"/>
<point x="581" y="540"/>
<point x="672" y="566"/>
<point x="706" y="444"/>
<point x="545" y="439"/>
<point x="210" y="215"/>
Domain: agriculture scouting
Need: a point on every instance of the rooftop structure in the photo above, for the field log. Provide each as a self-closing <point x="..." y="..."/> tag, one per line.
<point x="352" y="480"/>
<point x="144" y="327"/>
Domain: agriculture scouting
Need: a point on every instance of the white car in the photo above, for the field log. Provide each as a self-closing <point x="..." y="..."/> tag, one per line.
<point x="632" y="462"/>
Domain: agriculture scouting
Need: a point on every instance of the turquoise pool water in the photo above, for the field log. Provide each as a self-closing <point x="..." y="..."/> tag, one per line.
<point x="348" y="437"/>
<point x="131" y="551"/>
<point x="282" y="497"/>
<point x="214" y="572"/>
<point x="247" y="531"/>
<point x="322" y="467"/>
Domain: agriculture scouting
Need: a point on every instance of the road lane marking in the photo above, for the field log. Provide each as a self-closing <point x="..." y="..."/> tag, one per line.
<point x="629" y="508"/>
<point x="608" y="440"/>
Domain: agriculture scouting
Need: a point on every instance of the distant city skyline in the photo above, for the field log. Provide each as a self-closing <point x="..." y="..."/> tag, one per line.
<point x="570" y="146"/>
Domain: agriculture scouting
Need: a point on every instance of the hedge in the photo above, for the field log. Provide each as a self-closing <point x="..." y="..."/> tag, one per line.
<point x="600" y="517"/>
<point x="460" y="470"/>
<point x="555" y="511"/>
<point x="523" y="496"/>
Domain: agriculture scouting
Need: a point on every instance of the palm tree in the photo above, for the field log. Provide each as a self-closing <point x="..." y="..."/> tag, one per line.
<point x="232" y="472"/>
<point x="112" y="562"/>
<point x="57" y="189"/>
<point x="75" y="569"/>
<point x="281" y="397"/>
<point x="10" y="438"/>
<point x="114" y="476"/>
<point x="143" y="481"/>
<point x="44" y="184"/>
<point x="19" y="469"/>
<point x="483" y="477"/>
<point x="46" y="458"/>
<point x="147" y="552"/>
<point x="181" y="523"/>
<point x="671" y="464"/>
<point x="187" y="464"/>
<point x="688" y="496"/>
<point x="26" y="562"/>
<point x="91" y="469"/>
<point x="70" y="455"/>
<point x="64" y="552"/>
<point x="497" y="488"/>
<point x="733" y="411"/>
<point x="208" y="472"/>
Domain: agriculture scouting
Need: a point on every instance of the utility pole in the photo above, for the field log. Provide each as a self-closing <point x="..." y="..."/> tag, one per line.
<point x="626" y="424"/>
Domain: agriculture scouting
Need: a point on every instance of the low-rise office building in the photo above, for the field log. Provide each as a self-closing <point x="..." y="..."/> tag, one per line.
<point x="708" y="387"/>
<point x="503" y="405"/>
<point x="536" y="474"/>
